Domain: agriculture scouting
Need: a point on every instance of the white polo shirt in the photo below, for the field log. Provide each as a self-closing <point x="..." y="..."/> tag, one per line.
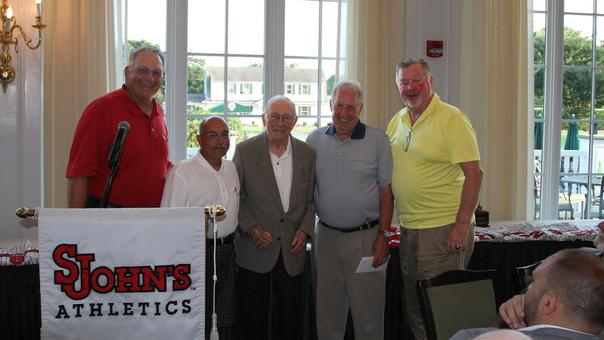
<point x="195" y="183"/>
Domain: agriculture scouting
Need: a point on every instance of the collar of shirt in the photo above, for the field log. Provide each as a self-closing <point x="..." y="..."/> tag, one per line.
<point x="204" y="162"/>
<point x="358" y="133"/>
<point x="535" y="327"/>
<point x="286" y="153"/>
<point x="135" y="109"/>
<point x="407" y="118"/>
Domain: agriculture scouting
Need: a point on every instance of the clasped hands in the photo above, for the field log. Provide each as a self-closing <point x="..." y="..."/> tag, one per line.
<point x="263" y="239"/>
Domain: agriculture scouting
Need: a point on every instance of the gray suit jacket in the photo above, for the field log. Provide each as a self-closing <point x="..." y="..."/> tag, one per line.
<point x="544" y="333"/>
<point x="261" y="204"/>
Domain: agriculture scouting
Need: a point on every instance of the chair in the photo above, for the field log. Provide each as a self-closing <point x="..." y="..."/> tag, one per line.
<point x="524" y="276"/>
<point x="456" y="300"/>
<point x="566" y="198"/>
<point x="597" y="207"/>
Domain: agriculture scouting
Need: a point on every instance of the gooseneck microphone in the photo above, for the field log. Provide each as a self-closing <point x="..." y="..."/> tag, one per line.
<point x="118" y="143"/>
<point x="113" y="159"/>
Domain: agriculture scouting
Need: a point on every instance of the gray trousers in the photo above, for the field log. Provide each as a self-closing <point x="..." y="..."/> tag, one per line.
<point x="337" y="256"/>
<point x="424" y="255"/>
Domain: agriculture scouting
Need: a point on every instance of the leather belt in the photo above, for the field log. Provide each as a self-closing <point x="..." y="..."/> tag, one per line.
<point x="221" y="241"/>
<point x="365" y="226"/>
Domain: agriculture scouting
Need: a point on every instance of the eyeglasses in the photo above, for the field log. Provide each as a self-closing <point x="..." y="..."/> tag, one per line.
<point x="213" y="135"/>
<point x="407" y="140"/>
<point x="145" y="71"/>
<point x="275" y="117"/>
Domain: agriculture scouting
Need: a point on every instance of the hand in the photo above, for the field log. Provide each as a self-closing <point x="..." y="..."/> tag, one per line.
<point x="458" y="237"/>
<point x="512" y="312"/>
<point x="261" y="237"/>
<point x="599" y="241"/>
<point x="298" y="243"/>
<point x="380" y="250"/>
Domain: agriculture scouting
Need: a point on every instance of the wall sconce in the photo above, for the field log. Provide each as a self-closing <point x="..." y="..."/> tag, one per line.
<point x="10" y="26"/>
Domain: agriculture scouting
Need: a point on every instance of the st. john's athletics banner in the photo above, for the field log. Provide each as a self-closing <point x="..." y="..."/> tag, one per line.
<point x="122" y="273"/>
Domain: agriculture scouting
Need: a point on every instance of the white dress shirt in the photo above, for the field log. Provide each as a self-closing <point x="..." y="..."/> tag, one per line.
<point x="195" y="183"/>
<point x="283" y="170"/>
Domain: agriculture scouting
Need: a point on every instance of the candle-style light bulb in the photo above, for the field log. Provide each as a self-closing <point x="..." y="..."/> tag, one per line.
<point x="38" y="7"/>
<point x="9" y="15"/>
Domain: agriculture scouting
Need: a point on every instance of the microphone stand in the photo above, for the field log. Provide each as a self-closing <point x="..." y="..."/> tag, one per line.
<point x="114" y="167"/>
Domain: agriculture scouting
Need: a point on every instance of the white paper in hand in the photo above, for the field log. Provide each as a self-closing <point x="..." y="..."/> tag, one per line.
<point x="365" y="266"/>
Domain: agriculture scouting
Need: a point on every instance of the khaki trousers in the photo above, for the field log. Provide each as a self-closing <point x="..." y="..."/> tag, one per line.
<point x="424" y="255"/>
<point x="339" y="288"/>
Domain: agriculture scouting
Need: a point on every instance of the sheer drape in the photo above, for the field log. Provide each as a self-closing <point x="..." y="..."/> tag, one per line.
<point x="79" y="65"/>
<point x="375" y="43"/>
<point x="493" y="90"/>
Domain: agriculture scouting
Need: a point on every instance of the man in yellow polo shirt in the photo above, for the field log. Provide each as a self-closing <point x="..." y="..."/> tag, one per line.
<point x="436" y="180"/>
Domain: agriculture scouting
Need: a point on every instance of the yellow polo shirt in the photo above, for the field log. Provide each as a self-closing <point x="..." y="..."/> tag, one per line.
<point x="427" y="179"/>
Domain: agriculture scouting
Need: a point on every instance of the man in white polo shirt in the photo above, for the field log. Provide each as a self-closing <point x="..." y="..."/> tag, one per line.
<point x="204" y="180"/>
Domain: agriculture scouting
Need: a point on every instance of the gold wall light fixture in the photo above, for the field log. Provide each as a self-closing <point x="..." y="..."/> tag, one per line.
<point x="10" y="26"/>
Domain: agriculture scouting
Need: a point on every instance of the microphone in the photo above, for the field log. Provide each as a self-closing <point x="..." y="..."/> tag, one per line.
<point x="118" y="144"/>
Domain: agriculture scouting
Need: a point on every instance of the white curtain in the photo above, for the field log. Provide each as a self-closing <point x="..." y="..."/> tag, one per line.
<point x="375" y="42"/>
<point x="492" y="83"/>
<point x="79" y="65"/>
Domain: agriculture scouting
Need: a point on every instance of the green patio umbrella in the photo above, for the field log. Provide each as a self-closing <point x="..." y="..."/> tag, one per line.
<point x="232" y="107"/>
<point x="538" y="133"/>
<point x="572" y="136"/>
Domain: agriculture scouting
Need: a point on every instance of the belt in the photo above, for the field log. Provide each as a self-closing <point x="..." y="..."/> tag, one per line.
<point x="365" y="226"/>
<point x="221" y="241"/>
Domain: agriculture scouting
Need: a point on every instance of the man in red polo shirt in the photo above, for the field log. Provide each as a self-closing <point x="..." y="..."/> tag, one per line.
<point x="139" y="181"/>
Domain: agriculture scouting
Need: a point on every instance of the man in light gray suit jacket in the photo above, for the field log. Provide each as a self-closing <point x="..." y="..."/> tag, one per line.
<point x="276" y="218"/>
<point x="564" y="301"/>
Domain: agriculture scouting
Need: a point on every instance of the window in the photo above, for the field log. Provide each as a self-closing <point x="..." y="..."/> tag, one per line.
<point x="304" y="89"/>
<point x="232" y="88"/>
<point x="303" y="110"/>
<point x="568" y="108"/>
<point x="228" y="66"/>
<point x="245" y="88"/>
<point x="290" y="89"/>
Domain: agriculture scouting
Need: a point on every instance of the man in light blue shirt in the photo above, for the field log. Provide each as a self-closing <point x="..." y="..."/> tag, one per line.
<point x="354" y="203"/>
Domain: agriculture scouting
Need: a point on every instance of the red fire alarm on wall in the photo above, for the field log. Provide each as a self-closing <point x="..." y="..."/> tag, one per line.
<point x="435" y="48"/>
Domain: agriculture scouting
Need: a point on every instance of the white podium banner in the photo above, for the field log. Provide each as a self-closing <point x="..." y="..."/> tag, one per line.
<point x="122" y="273"/>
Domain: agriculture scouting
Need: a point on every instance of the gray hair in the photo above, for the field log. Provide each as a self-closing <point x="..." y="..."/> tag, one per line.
<point x="142" y="49"/>
<point x="404" y="63"/>
<point x="348" y="84"/>
<point x="278" y="98"/>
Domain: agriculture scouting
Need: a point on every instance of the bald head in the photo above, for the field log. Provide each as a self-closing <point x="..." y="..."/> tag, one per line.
<point x="503" y="334"/>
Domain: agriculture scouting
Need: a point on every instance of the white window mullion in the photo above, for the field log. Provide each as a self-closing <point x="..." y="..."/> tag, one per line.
<point x="176" y="78"/>
<point x="274" y="42"/>
<point x="552" y="110"/>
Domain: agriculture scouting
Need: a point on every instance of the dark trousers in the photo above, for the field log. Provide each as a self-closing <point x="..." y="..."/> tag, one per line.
<point x="225" y="289"/>
<point x="269" y="305"/>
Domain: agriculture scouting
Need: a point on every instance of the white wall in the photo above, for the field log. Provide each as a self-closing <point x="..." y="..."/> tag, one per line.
<point x="430" y="20"/>
<point x="20" y="131"/>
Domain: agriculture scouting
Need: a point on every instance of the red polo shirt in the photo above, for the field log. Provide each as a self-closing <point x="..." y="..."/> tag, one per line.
<point x="139" y="182"/>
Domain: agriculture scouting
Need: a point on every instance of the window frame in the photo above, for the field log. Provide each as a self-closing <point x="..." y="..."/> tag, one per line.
<point x="554" y="69"/>
<point x="177" y="55"/>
